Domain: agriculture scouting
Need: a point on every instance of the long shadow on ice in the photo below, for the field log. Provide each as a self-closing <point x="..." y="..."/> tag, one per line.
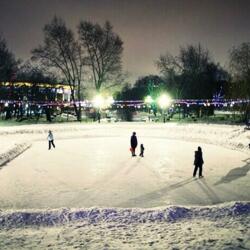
<point x="213" y="197"/>
<point x="155" y="194"/>
<point x="133" y="166"/>
<point x="235" y="173"/>
<point x="100" y="184"/>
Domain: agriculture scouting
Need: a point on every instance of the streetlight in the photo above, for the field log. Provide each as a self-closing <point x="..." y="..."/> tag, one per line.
<point x="109" y="101"/>
<point x="148" y="101"/>
<point x="100" y="102"/>
<point x="164" y="101"/>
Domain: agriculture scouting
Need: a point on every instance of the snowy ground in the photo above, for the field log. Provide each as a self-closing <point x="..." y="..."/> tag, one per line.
<point x="218" y="227"/>
<point x="92" y="167"/>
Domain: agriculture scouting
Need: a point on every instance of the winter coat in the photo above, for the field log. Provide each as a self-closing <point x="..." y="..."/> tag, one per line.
<point x="198" y="159"/>
<point x="50" y="137"/>
<point x="133" y="141"/>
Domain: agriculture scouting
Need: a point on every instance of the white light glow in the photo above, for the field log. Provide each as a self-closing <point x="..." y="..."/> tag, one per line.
<point x="164" y="101"/>
<point x="110" y="100"/>
<point x="98" y="101"/>
<point x="148" y="99"/>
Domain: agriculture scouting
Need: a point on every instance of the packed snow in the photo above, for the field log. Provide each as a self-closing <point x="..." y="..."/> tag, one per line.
<point x="225" y="226"/>
<point x="89" y="193"/>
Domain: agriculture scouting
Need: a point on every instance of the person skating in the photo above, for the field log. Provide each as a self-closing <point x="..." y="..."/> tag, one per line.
<point x="133" y="143"/>
<point x="51" y="139"/>
<point x="198" y="162"/>
<point x="142" y="151"/>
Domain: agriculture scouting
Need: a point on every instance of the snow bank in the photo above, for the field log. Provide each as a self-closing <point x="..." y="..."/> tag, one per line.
<point x="9" y="219"/>
<point x="43" y="128"/>
<point x="230" y="136"/>
<point x="13" y="152"/>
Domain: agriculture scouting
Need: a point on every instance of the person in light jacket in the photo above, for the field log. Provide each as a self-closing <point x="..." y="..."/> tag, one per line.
<point x="51" y="139"/>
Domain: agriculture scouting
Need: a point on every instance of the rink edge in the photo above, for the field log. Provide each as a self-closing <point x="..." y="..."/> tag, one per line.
<point x="169" y="214"/>
<point x="14" y="152"/>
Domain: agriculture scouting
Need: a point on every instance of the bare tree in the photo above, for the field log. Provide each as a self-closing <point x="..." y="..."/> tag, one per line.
<point x="194" y="59"/>
<point x="8" y="63"/>
<point x="62" y="52"/>
<point x="239" y="59"/>
<point x="104" y="50"/>
<point x="239" y="63"/>
<point x="29" y="72"/>
<point x="191" y="74"/>
<point x="170" y="68"/>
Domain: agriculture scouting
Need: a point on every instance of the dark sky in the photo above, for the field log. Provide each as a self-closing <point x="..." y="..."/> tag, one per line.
<point x="147" y="27"/>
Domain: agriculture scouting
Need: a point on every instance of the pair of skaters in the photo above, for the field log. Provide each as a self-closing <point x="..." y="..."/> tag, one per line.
<point x="133" y="144"/>
<point x="198" y="158"/>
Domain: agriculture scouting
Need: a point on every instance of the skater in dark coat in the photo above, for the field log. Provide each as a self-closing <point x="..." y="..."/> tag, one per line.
<point x="142" y="151"/>
<point x="198" y="162"/>
<point x="133" y="143"/>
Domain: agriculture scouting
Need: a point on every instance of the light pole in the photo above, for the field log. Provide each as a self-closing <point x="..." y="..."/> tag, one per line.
<point x="164" y="101"/>
<point x="148" y="101"/>
<point x="100" y="102"/>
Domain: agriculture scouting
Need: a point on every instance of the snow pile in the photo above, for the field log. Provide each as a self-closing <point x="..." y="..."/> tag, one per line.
<point x="44" y="128"/>
<point x="230" y="136"/>
<point x="13" y="152"/>
<point x="9" y="219"/>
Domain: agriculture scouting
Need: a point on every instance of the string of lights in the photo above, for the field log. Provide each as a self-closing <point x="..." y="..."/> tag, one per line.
<point x="133" y="103"/>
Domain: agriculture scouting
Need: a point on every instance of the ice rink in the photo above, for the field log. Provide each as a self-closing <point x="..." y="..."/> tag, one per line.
<point x="93" y="167"/>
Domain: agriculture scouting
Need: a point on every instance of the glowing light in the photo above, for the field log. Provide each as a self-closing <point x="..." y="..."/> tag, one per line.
<point x="98" y="101"/>
<point x="164" y="101"/>
<point x="101" y="102"/>
<point x="110" y="101"/>
<point x="148" y="99"/>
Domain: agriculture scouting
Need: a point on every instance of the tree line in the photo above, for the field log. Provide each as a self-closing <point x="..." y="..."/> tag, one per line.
<point x="193" y="74"/>
<point x="93" y="55"/>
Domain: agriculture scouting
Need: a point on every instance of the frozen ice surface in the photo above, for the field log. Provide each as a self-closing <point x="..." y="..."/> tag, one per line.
<point x="92" y="166"/>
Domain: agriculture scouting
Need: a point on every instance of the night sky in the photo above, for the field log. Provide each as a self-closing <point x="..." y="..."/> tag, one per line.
<point x="147" y="27"/>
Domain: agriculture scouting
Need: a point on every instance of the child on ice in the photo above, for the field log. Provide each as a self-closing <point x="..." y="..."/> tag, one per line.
<point x="142" y="150"/>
